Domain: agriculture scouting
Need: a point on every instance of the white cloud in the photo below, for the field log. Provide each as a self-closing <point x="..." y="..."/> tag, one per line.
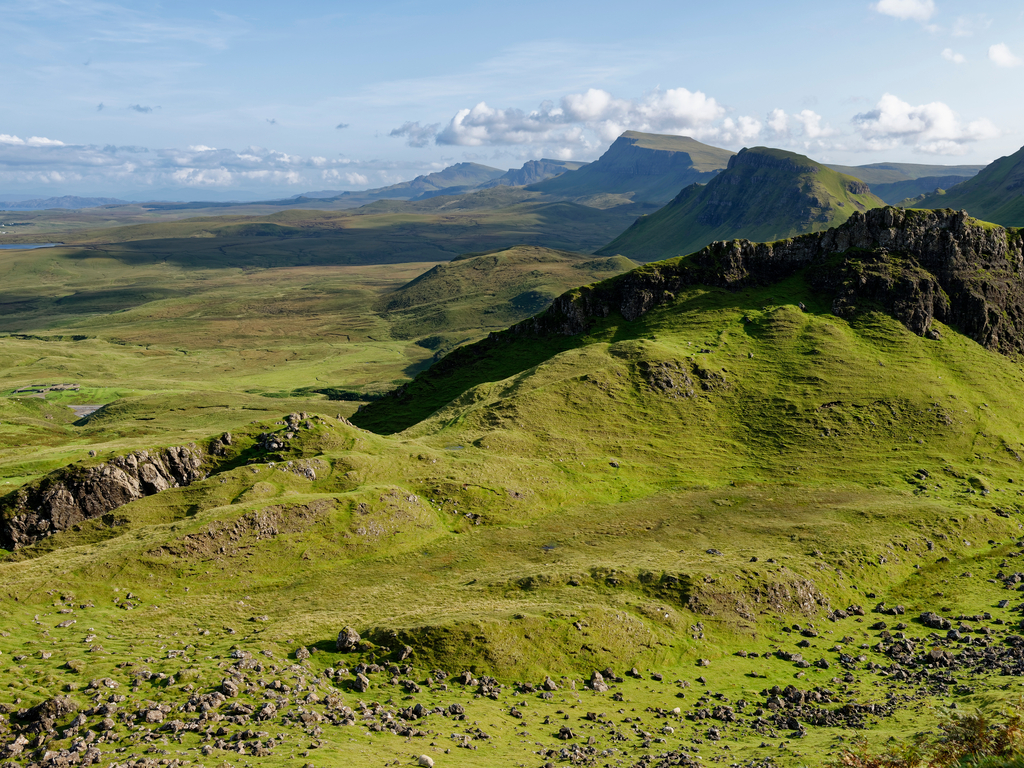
<point x="1001" y="55"/>
<point x="932" y="128"/>
<point x="916" y="10"/>
<point x="40" y="160"/>
<point x="967" y="26"/>
<point x="778" y="121"/>
<point x="811" y="122"/>
<point x="805" y="130"/>
<point x="32" y="141"/>
<point x="949" y="55"/>
<point x="416" y="135"/>
<point x="585" y="121"/>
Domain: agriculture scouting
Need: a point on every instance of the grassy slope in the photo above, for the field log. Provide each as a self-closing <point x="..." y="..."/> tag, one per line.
<point x="639" y="167"/>
<point x="167" y="330"/>
<point x="996" y="194"/>
<point x="486" y="291"/>
<point x="810" y="436"/>
<point x="749" y="200"/>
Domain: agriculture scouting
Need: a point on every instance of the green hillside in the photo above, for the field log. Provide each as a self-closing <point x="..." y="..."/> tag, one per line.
<point x="767" y="492"/>
<point x="898" y="191"/>
<point x="477" y="293"/>
<point x="995" y="194"/>
<point x="640" y="168"/>
<point x="765" y="194"/>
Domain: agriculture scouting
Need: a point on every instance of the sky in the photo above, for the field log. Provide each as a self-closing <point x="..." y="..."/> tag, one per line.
<point x="213" y="99"/>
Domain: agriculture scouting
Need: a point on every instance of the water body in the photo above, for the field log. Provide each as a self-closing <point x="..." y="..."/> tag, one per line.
<point x="26" y="246"/>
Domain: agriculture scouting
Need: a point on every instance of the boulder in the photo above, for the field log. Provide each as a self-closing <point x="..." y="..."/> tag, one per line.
<point x="348" y="640"/>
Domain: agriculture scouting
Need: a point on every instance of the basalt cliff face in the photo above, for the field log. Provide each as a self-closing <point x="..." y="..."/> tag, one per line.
<point x="919" y="266"/>
<point x="75" y="494"/>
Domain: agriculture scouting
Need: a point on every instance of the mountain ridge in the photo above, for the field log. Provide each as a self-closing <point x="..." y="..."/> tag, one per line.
<point x="764" y="194"/>
<point x="917" y="266"/>
<point x="640" y="167"/>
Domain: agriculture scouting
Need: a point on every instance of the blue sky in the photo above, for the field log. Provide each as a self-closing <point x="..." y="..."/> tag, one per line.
<point x="200" y="100"/>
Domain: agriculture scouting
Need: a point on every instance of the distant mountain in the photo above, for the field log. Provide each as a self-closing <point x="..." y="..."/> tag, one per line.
<point x="532" y="172"/>
<point x="68" y="201"/>
<point x="996" y="194"/>
<point x="890" y="173"/>
<point x="639" y="167"/>
<point x="895" y="182"/>
<point x="898" y="191"/>
<point x="765" y="194"/>
<point x="461" y="176"/>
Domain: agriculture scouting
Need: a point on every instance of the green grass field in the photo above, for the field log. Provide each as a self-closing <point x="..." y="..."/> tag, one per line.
<point x="674" y="493"/>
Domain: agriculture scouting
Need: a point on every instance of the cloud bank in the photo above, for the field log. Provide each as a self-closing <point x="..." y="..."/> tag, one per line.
<point x="931" y="128"/>
<point x="580" y="123"/>
<point x="42" y="162"/>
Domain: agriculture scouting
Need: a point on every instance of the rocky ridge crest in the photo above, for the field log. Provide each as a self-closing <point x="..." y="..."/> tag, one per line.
<point x="919" y="266"/>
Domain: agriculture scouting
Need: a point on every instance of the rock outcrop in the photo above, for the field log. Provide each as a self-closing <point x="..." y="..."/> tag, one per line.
<point x="916" y="265"/>
<point x="74" y="494"/>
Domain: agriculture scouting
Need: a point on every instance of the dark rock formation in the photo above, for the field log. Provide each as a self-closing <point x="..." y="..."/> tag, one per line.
<point x="74" y="494"/>
<point x="916" y="265"/>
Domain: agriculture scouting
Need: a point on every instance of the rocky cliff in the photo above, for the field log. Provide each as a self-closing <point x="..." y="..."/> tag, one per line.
<point x="74" y="494"/>
<point x="916" y="265"/>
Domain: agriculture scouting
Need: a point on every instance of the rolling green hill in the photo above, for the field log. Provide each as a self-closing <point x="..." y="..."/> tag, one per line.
<point x="477" y="293"/>
<point x="765" y="194"/>
<point x="641" y="168"/>
<point x="995" y="194"/>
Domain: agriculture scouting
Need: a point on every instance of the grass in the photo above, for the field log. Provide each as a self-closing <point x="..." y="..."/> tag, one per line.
<point x="992" y="195"/>
<point x="655" y="493"/>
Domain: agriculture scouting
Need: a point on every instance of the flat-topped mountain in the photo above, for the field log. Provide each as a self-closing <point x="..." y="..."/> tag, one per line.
<point x="640" y="167"/>
<point x="764" y="194"/>
<point x="996" y="194"/>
